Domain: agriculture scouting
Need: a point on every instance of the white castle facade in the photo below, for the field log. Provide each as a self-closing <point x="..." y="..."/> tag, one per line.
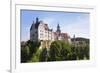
<point x="40" y="31"/>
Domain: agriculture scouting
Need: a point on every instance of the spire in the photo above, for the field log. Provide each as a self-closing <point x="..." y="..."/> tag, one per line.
<point x="37" y="19"/>
<point x="58" y="28"/>
<point x="37" y="22"/>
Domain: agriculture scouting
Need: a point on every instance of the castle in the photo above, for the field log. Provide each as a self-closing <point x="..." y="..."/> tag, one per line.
<point x="40" y="31"/>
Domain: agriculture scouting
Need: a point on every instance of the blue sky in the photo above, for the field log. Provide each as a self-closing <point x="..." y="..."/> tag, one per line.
<point x="70" y="22"/>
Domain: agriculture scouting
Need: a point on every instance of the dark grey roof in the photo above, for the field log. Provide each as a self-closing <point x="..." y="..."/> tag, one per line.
<point x="80" y="39"/>
<point x="31" y="27"/>
<point x="37" y="24"/>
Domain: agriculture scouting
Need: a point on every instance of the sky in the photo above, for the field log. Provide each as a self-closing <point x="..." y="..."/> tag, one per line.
<point x="70" y="22"/>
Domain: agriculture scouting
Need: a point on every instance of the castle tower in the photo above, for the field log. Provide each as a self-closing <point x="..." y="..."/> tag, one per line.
<point x="58" y="30"/>
<point x="37" y="20"/>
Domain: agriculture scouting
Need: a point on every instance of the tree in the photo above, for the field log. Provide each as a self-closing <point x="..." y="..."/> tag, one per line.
<point x="80" y="52"/>
<point x="55" y="49"/>
<point x="73" y="53"/>
<point x="64" y="53"/>
<point x="29" y="50"/>
<point x="25" y="53"/>
<point x="59" y="51"/>
<point x="86" y="51"/>
<point x="66" y="48"/>
<point x="33" y="46"/>
<point x="43" y="55"/>
<point x="36" y="56"/>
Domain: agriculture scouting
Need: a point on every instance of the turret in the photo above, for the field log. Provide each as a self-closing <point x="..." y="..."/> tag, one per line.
<point x="37" y="20"/>
<point x="58" y="29"/>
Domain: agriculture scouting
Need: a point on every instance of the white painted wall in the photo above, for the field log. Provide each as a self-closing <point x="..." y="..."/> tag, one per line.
<point x="41" y="31"/>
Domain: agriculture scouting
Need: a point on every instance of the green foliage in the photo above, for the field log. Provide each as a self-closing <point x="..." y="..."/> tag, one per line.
<point x="86" y="51"/>
<point x="55" y="49"/>
<point x="33" y="46"/>
<point x="25" y="53"/>
<point x="28" y="50"/>
<point x="43" y="55"/>
<point x="64" y="54"/>
<point x="35" y="57"/>
<point x="59" y="50"/>
<point x="82" y="52"/>
<point x="66" y="48"/>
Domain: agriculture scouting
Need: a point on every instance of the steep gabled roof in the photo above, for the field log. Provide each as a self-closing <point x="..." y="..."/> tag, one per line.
<point x="37" y="25"/>
<point x="32" y="26"/>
